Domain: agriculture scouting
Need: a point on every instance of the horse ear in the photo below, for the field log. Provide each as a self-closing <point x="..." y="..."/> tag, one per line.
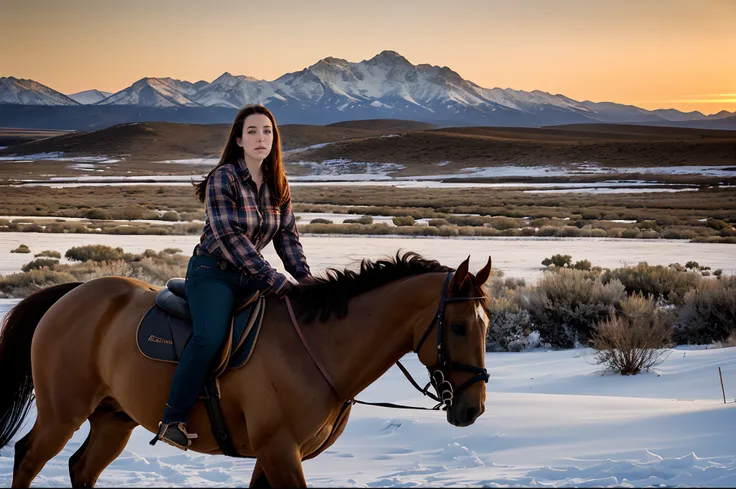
<point x="483" y="275"/>
<point x="460" y="274"/>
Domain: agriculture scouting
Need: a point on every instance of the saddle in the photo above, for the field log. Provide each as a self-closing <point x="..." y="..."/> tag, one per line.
<point x="166" y="328"/>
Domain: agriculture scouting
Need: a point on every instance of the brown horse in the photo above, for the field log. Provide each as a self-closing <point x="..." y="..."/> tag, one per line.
<point x="75" y="344"/>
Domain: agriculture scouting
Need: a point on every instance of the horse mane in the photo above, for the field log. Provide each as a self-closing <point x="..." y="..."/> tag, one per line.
<point x="330" y="294"/>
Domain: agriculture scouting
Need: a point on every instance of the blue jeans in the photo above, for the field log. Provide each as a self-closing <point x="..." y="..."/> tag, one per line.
<point x="210" y="292"/>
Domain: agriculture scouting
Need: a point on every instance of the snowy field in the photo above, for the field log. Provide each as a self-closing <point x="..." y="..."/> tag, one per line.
<point x="553" y="419"/>
<point x="517" y="257"/>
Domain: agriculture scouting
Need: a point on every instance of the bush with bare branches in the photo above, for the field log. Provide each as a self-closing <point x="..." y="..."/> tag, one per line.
<point x="636" y="340"/>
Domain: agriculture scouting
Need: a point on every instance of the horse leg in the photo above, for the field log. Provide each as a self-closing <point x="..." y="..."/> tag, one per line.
<point x="259" y="479"/>
<point x="282" y="462"/>
<point x="109" y="432"/>
<point x="45" y="441"/>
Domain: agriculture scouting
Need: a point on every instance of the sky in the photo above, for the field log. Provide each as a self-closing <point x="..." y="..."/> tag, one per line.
<point x="653" y="54"/>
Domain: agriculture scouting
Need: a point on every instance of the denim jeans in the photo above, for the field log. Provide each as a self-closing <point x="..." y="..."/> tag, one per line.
<point x="210" y="292"/>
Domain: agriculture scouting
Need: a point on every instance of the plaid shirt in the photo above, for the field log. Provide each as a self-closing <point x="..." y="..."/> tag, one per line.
<point x="240" y="221"/>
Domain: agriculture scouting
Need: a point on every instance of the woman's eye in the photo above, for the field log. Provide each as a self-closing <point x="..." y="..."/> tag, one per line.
<point x="459" y="328"/>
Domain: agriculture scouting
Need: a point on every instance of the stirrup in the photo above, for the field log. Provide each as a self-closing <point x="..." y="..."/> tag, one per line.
<point x="174" y="434"/>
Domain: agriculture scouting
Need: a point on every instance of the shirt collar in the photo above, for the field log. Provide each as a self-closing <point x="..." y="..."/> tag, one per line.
<point x="244" y="172"/>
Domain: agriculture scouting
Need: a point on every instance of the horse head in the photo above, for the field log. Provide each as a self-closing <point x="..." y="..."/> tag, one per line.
<point x="452" y="347"/>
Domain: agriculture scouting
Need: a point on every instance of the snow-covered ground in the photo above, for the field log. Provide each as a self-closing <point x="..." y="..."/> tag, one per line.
<point x="553" y="419"/>
<point x="517" y="257"/>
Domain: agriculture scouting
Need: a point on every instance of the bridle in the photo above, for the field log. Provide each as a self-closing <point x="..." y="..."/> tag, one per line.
<point x="438" y="378"/>
<point x="438" y="373"/>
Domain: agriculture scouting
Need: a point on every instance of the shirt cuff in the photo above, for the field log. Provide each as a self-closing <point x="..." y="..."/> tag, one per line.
<point x="278" y="282"/>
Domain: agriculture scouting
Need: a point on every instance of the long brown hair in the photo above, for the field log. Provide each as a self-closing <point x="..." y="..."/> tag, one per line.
<point x="273" y="167"/>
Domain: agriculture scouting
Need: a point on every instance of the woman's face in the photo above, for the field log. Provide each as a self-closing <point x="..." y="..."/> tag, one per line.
<point x="257" y="137"/>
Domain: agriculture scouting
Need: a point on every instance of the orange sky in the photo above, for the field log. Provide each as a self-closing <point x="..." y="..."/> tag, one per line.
<point x="650" y="53"/>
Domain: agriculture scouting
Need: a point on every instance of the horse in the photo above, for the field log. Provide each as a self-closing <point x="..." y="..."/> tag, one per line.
<point x="74" y="345"/>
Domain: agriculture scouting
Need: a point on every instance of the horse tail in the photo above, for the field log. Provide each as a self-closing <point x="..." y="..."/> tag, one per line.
<point x="16" y="382"/>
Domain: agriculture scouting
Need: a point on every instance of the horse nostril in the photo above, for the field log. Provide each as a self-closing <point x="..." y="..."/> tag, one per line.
<point x="470" y="413"/>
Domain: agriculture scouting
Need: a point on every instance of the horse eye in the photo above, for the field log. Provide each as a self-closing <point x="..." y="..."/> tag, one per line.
<point x="458" y="328"/>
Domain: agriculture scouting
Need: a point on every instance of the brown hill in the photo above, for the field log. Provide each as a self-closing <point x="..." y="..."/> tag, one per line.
<point x="455" y="148"/>
<point x="153" y="141"/>
<point x="488" y="146"/>
<point x="11" y="136"/>
<point x="384" y="125"/>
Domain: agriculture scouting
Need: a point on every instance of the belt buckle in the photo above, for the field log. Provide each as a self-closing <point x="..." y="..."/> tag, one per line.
<point x="222" y="265"/>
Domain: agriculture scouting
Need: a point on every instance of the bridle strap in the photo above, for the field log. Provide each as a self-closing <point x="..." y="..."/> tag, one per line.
<point x="481" y="373"/>
<point x="315" y="359"/>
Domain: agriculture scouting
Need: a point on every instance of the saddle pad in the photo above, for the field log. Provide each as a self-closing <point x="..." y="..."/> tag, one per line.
<point x="162" y="335"/>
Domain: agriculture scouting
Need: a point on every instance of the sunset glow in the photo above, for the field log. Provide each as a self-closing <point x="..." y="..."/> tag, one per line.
<point x="654" y="54"/>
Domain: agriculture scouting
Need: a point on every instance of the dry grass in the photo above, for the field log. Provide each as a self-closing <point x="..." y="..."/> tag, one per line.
<point x="636" y="340"/>
<point x="150" y="266"/>
<point x="667" y="283"/>
<point x="566" y="304"/>
<point x="708" y="313"/>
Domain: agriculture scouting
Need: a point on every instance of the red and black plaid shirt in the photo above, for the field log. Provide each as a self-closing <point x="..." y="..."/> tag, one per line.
<point x="240" y="221"/>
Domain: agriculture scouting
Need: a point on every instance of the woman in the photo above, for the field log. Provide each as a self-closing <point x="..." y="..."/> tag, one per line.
<point x="248" y="205"/>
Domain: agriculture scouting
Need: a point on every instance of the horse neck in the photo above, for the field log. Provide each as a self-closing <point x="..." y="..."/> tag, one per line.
<point x="379" y="329"/>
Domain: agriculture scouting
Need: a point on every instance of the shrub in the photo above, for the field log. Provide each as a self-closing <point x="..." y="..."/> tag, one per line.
<point x="23" y="284"/>
<point x="691" y="265"/>
<point x="48" y="253"/>
<point x="403" y="220"/>
<point x="96" y="214"/>
<point x="546" y="231"/>
<point x="582" y="265"/>
<point x="170" y="216"/>
<point x="360" y="220"/>
<point x="566" y="305"/>
<point x="439" y="222"/>
<point x="502" y="223"/>
<point x="708" y="313"/>
<point x="558" y="261"/>
<point x="94" y="253"/>
<point x="21" y="249"/>
<point x="658" y="281"/>
<point x="39" y="263"/>
<point x="510" y="328"/>
<point x="634" y="341"/>
<point x="320" y="220"/>
<point x="717" y="224"/>
<point x="567" y="232"/>
<point x="448" y="230"/>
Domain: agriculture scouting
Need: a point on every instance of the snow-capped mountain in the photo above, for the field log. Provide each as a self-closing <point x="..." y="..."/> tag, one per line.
<point x="157" y="92"/>
<point x="385" y="86"/>
<point x="89" y="97"/>
<point x="28" y="92"/>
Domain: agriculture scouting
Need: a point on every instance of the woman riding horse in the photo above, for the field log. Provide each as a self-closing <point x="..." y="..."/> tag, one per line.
<point x="248" y="205"/>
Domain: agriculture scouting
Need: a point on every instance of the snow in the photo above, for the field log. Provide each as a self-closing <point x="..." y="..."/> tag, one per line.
<point x="553" y="419"/>
<point x="89" y="97"/>
<point x="517" y="257"/>
<point x="59" y="156"/>
<point x="193" y="161"/>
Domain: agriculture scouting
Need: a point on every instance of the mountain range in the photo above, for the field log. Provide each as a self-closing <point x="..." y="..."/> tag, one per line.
<point x="331" y="90"/>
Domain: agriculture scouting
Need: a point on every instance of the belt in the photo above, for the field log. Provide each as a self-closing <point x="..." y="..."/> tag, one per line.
<point x="222" y="263"/>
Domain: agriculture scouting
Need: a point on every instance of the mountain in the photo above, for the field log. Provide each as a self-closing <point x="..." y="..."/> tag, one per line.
<point x="387" y="86"/>
<point x="89" y="96"/>
<point x="721" y="115"/>
<point x="156" y="92"/>
<point x="28" y="92"/>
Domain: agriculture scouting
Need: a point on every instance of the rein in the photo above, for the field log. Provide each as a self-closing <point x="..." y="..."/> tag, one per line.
<point x="445" y="391"/>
